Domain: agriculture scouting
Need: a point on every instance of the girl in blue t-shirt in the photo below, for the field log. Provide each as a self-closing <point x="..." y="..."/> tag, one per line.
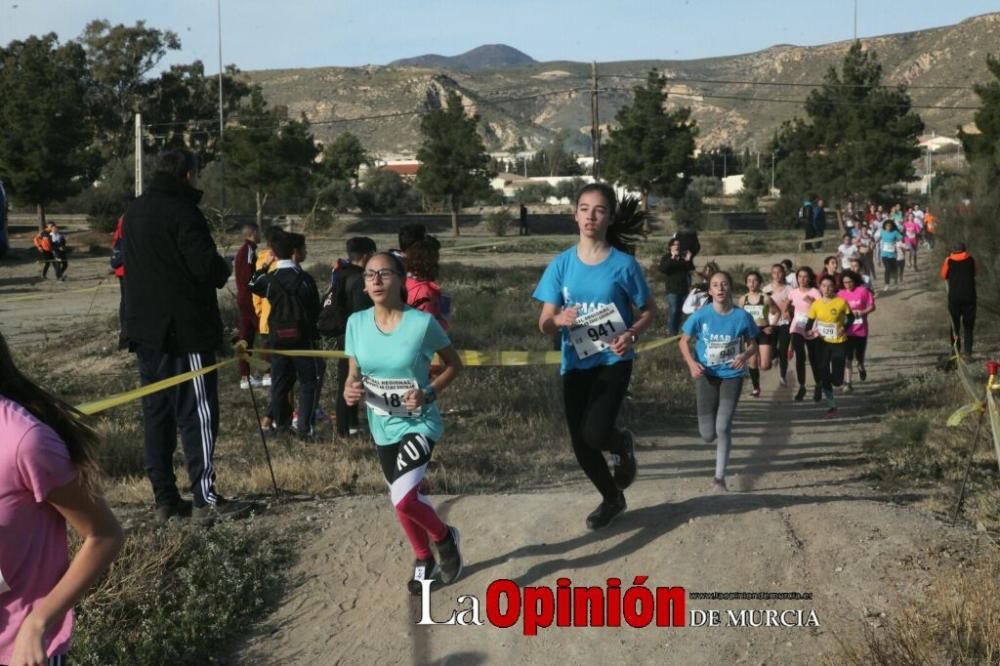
<point x="389" y="349"/>
<point x="725" y="338"/>
<point x="589" y="294"/>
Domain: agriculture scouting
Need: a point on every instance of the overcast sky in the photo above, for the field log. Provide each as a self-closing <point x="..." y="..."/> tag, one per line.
<point x="269" y="34"/>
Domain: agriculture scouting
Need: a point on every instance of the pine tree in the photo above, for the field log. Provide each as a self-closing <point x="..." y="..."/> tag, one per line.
<point x="44" y="143"/>
<point x="269" y="153"/>
<point x="454" y="164"/>
<point x="651" y="149"/>
<point x="860" y="136"/>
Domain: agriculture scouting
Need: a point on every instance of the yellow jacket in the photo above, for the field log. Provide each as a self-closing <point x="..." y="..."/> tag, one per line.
<point x="261" y="305"/>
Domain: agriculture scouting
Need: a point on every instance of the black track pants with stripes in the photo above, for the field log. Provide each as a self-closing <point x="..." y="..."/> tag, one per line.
<point x="192" y="408"/>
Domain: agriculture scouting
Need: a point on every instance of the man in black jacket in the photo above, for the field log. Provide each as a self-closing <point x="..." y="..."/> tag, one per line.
<point x="173" y="323"/>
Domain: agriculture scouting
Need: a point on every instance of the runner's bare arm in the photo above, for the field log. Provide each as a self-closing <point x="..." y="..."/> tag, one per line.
<point x="452" y="366"/>
<point x="554" y="317"/>
<point x="750" y="352"/>
<point x="102" y="535"/>
<point x="696" y="368"/>
<point x="622" y="343"/>
<point x="354" y="391"/>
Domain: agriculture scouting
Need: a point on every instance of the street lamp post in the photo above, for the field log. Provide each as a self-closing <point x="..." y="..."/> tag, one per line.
<point x="222" y="160"/>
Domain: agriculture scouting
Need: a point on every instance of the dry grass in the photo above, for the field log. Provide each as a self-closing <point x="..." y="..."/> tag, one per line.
<point x="959" y="623"/>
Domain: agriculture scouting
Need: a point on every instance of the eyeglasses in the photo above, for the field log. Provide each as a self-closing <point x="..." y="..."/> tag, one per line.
<point x="380" y="275"/>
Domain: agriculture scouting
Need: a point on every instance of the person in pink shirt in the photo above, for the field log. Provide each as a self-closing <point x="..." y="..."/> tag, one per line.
<point x="862" y="303"/>
<point x="48" y="478"/>
<point x="911" y="238"/>
<point x="803" y="340"/>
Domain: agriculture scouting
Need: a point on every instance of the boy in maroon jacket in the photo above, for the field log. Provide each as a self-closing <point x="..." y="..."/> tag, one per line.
<point x="244" y="264"/>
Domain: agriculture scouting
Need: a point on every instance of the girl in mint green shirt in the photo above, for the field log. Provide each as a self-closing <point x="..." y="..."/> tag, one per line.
<point x="389" y="348"/>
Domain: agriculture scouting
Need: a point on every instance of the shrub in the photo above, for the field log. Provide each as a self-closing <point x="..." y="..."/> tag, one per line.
<point x="178" y="595"/>
<point x="499" y="221"/>
<point x="706" y="186"/>
<point x="689" y="210"/>
<point x="784" y="214"/>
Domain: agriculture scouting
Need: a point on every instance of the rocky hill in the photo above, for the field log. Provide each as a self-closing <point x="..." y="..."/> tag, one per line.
<point x="525" y="106"/>
<point x="489" y="56"/>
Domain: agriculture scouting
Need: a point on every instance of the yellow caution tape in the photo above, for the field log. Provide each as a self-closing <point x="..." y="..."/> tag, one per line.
<point x="475" y="358"/>
<point x="470" y="358"/>
<point x="148" y="389"/>
<point x="47" y="294"/>
<point x="962" y="412"/>
<point x="994" y="423"/>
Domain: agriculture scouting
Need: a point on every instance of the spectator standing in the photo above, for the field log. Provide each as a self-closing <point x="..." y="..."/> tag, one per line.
<point x="676" y="269"/>
<point x="59" y="254"/>
<point x="959" y="269"/>
<point x="295" y="307"/>
<point x="346" y="296"/>
<point x="244" y="266"/>
<point x="173" y="323"/>
<point x="523" y="229"/>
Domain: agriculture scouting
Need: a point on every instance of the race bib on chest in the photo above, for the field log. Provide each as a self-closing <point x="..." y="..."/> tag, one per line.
<point x="592" y="333"/>
<point x="385" y="396"/>
<point x="719" y="352"/>
<point x="888" y="247"/>
<point x="826" y="330"/>
<point x="755" y="311"/>
<point x="801" y="320"/>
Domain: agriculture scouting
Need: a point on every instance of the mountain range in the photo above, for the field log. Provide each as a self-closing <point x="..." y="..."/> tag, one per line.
<point x="737" y="100"/>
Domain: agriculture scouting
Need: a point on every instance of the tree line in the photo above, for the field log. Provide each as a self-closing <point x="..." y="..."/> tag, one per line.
<point x="67" y="114"/>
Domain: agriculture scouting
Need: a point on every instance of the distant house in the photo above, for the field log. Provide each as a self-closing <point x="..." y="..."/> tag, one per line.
<point x="407" y="169"/>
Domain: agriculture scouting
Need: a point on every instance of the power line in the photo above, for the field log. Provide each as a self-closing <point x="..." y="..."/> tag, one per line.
<point x="786" y="100"/>
<point x="396" y="114"/>
<point x="749" y="82"/>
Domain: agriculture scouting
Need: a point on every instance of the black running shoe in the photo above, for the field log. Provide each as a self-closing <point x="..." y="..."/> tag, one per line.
<point x="863" y="373"/>
<point x="818" y="394"/>
<point x="606" y="512"/>
<point x="450" y="557"/>
<point x="166" y="512"/>
<point x="801" y="394"/>
<point x="624" y="463"/>
<point x="422" y="570"/>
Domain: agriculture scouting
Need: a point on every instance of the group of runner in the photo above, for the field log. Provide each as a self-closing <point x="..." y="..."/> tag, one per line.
<point x="894" y="235"/>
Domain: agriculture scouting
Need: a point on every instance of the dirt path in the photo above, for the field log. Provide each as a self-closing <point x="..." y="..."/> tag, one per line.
<point x="799" y="519"/>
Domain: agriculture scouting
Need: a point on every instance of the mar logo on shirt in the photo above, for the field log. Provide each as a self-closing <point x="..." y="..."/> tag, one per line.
<point x="585" y="308"/>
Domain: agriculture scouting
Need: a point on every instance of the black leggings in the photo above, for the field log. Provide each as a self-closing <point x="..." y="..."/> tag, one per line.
<point x="891" y="271"/>
<point x="592" y="399"/>
<point x="963" y="322"/>
<point x="782" y="340"/>
<point x="832" y="360"/>
<point x="856" y="347"/>
<point x="802" y="346"/>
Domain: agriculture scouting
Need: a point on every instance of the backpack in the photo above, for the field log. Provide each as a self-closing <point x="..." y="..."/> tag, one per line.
<point x="334" y="311"/>
<point x="117" y="258"/>
<point x="288" y="326"/>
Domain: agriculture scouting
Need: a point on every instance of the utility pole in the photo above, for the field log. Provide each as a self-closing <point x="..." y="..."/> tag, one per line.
<point x="138" y="154"/>
<point x="772" y="175"/>
<point x="855" y="20"/>
<point x="595" y="127"/>
<point x="222" y="160"/>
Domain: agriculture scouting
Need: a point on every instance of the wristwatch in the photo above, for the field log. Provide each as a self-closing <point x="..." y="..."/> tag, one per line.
<point x="430" y="395"/>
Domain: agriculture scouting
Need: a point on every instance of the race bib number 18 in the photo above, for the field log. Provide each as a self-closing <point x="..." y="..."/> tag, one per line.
<point x="385" y="396"/>
<point x="593" y="332"/>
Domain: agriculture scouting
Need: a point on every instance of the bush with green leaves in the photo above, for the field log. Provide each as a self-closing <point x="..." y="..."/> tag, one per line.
<point x="784" y="214"/>
<point x="499" y="222"/>
<point x="177" y="595"/>
<point x="706" y="186"/>
<point x="535" y="193"/>
<point x="689" y="210"/>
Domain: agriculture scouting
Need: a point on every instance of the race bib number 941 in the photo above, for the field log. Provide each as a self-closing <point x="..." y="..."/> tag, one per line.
<point x="385" y="396"/>
<point x="593" y="332"/>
